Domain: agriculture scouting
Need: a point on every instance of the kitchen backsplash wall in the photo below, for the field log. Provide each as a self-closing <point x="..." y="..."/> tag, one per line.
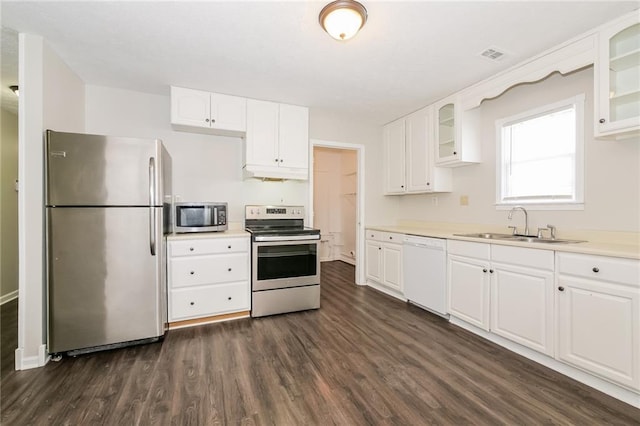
<point x="612" y="170"/>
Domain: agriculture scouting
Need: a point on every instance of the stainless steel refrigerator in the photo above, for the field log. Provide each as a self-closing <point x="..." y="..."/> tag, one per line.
<point x="108" y="204"/>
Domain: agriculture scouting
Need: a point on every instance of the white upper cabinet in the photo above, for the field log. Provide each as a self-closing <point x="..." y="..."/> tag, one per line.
<point x="456" y="134"/>
<point x="262" y="133"/>
<point x="394" y="158"/>
<point x="277" y="144"/>
<point x="408" y="156"/>
<point x="617" y="79"/>
<point x="294" y="136"/>
<point x="197" y="110"/>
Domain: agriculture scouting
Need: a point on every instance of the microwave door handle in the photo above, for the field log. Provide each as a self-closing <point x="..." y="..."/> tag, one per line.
<point x="152" y="209"/>
<point x="214" y="219"/>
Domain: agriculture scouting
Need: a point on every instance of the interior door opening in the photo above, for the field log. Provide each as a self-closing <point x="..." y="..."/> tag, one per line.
<point x="336" y="201"/>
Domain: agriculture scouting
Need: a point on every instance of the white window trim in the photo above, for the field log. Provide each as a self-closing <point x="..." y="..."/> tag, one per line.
<point x="578" y="203"/>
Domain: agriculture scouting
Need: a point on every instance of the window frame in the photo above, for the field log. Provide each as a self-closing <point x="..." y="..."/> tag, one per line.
<point x="535" y="203"/>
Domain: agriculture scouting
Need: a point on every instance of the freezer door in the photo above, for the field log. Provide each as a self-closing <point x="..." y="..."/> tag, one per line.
<point x="104" y="285"/>
<point x="93" y="170"/>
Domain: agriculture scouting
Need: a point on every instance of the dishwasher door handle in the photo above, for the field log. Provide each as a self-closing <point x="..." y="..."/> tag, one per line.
<point x="427" y="246"/>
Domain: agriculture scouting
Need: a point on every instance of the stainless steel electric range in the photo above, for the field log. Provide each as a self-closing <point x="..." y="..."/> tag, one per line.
<point x="285" y="264"/>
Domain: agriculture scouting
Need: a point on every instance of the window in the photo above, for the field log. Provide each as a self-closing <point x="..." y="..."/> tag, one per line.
<point x="540" y="157"/>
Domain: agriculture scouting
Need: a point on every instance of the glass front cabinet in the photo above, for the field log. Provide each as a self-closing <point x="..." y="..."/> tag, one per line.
<point x="617" y="79"/>
<point x="457" y="141"/>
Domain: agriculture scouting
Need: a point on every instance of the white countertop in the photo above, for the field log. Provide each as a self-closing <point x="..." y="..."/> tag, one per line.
<point x="625" y="247"/>
<point x="231" y="233"/>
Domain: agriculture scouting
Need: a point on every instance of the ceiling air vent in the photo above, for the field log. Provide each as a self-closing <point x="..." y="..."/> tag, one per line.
<point x="493" y="54"/>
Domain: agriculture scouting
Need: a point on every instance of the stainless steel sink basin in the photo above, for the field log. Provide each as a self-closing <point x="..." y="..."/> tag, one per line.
<point x="523" y="238"/>
<point x="488" y="236"/>
<point x="545" y="240"/>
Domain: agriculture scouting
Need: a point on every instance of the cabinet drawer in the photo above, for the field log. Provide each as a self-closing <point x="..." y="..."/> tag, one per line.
<point x="391" y="237"/>
<point x="464" y="248"/>
<point x="208" y="246"/>
<point x="532" y="258"/>
<point x="210" y="300"/>
<point x="601" y="268"/>
<point x="198" y="270"/>
<point x="374" y="235"/>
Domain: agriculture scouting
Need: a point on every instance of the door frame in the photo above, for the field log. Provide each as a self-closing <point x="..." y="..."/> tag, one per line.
<point x="360" y="214"/>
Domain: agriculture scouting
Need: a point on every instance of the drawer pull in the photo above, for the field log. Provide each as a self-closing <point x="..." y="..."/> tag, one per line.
<point x="192" y="303"/>
<point x="484" y="270"/>
<point x="561" y="288"/>
<point x="491" y="271"/>
<point x="190" y="248"/>
<point x="229" y="269"/>
<point x="229" y="247"/>
<point x="192" y="272"/>
<point x="596" y="269"/>
<point x="229" y="298"/>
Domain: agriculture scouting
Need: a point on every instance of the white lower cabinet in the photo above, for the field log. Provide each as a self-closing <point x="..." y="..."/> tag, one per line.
<point x="208" y="276"/>
<point x="384" y="259"/>
<point x="392" y="265"/>
<point x="204" y="301"/>
<point x="522" y="296"/>
<point x="505" y="290"/>
<point x="598" y="312"/>
<point x="468" y="281"/>
<point x="374" y="260"/>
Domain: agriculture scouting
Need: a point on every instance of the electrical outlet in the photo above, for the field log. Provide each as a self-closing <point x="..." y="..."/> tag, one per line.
<point x="434" y="201"/>
<point x="464" y="200"/>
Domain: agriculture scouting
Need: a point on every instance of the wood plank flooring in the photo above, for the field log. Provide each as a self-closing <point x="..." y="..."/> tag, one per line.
<point x="362" y="359"/>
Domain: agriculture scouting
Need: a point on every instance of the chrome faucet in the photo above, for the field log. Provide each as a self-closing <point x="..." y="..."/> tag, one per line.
<point x="526" y="218"/>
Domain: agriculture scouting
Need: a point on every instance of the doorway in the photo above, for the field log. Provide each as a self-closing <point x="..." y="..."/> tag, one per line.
<point x="336" y="201"/>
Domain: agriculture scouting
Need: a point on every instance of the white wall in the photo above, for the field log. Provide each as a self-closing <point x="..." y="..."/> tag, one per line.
<point x="9" y="202"/>
<point x="612" y="170"/>
<point x="63" y="98"/>
<point x="51" y="96"/>
<point x="205" y="167"/>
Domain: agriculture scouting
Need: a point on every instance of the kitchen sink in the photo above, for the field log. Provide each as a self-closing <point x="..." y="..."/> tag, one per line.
<point x="544" y="240"/>
<point x="522" y="238"/>
<point x="488" y="236"/>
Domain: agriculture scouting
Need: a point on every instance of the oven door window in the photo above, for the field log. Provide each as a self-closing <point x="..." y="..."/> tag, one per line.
<point x="287" y="261"/>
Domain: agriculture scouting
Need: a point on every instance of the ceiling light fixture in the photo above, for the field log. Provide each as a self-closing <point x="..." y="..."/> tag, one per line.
<point x="342" y="19"/>
<point x="15" y="90"/>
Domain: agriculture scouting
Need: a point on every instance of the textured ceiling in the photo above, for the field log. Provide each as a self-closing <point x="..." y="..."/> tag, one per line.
<point x="408" y="55"/>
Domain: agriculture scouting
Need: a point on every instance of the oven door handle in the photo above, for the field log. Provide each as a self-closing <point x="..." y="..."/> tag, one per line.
<point x="286" y="238"/>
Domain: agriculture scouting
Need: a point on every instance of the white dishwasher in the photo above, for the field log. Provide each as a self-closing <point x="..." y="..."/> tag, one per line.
<point x="425" y="272"/>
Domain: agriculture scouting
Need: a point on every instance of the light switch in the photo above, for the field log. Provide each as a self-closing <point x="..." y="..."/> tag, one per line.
<point x="464" y="200"/>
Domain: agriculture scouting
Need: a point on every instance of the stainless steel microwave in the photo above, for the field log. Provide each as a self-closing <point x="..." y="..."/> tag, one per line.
<point x="200" y="217"/>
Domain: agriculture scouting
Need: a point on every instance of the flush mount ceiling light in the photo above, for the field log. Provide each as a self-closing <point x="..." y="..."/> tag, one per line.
<point x="342" y="19"/>
<point x="14" y="89"/>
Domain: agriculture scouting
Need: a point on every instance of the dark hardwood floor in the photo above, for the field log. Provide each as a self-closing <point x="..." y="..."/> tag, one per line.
<point x="362" y="359"/>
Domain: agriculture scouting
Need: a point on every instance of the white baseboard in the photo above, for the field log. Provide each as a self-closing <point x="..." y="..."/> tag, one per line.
<point x="36" y="361"/>
<point x="347" y="259"/>
<point x="8" y="297"/>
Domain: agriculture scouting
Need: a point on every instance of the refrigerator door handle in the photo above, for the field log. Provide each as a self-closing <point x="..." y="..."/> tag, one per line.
<point x="152" y="209"/>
